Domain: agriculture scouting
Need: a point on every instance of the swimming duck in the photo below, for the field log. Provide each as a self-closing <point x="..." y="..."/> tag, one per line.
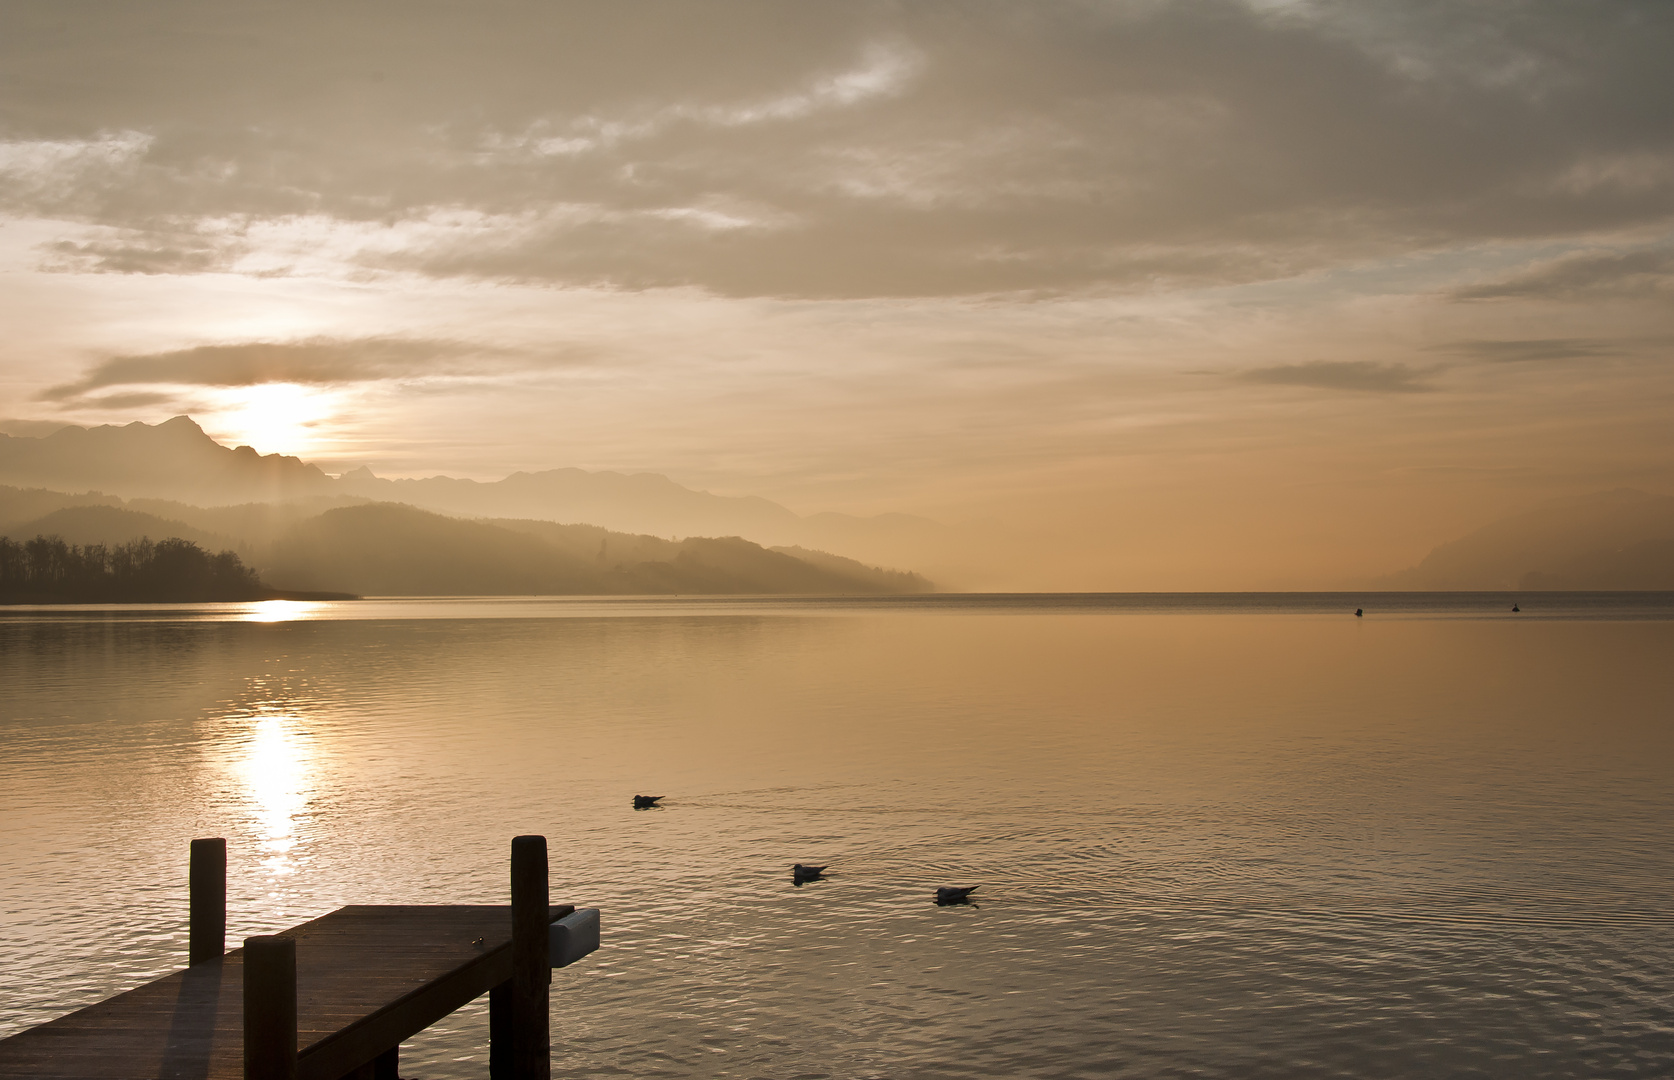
<point x="1358" y="613"/>
<point x="953" y="894"/>
<point x="647" y="802"/>
<point x="801" y="875"/>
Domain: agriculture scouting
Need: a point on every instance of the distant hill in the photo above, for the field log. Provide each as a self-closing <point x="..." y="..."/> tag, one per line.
<point x="390" y="550"/>
<point x="257" y="524"/>
<point x="21" y="505"/>
<point x="321" y="545"/>
<point x="112" y="525"/>
<point x="176" y="462"/>
<point x="884" y="581"/>
<point x="1648" y="564"/>
<point x="387" y="549"/>
<point x="633" y="503"/>
<point x="1620" y="539"/>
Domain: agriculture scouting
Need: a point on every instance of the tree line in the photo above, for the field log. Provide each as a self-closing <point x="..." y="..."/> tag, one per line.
<point x="48" y="570"/>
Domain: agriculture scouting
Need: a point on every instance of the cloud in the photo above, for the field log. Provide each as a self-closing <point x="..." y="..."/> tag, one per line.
<point x="141" y="399"/>
<point x="322" y="361"/>
<point x="1353" y="375"/>
<point x="62" y="173"/>
<point x="883" y="71"/>
<point x="1530" y="350"/>
<point x="862" y="149"/>
<point x="1583" y="277"/>
<point x="138" y="252"/>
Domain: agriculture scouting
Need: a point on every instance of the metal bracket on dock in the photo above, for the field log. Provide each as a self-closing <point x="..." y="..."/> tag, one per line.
<point x="573" y="936"/>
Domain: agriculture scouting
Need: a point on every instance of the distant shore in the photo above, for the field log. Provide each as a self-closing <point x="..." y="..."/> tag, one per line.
<point x="16" y="599"/>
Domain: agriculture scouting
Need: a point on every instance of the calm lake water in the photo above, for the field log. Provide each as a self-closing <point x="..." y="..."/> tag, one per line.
<point x="1215" y="836"/>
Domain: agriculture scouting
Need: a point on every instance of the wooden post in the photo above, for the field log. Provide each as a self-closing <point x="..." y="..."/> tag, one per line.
<point x="269" y="1008"/>
<point x="531" y="972"/>
<point x="206" y="883"/>
<point x="500" y="1032"/>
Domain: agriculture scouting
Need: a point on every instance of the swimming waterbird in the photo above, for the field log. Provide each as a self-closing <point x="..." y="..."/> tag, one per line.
<point x="647" y="802"/>
<point x="953" y="894"/>
<point x="1514" y="607"/>
<point x="1358" y="613"/>
<point x="801" y="875"/>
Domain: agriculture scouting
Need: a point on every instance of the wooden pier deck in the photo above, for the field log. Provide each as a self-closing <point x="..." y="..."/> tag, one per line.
<point x="368" y="977"/>
<point x="332" y="999"/>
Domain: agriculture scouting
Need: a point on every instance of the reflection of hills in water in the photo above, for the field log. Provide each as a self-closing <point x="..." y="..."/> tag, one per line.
<point x="394" y="550"/>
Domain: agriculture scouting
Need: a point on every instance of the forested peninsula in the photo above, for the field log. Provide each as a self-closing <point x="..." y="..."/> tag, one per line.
<point x="47" y="570"/>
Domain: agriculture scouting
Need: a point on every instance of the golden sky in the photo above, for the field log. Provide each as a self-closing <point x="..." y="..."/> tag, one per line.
<point x="1168" y="294"/>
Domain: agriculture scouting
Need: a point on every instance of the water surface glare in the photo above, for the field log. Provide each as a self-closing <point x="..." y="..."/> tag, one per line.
<point x="1222" y="836"/>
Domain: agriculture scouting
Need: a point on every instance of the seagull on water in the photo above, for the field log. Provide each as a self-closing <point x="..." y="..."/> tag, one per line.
<point x="953" y="894"/>
<point x="647" y="802"/>
<point x="801" y="875"/>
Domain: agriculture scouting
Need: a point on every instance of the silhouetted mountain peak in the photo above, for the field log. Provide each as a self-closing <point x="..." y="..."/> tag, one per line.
<point x="178" y="431"/>
<point x="172" y="460"/>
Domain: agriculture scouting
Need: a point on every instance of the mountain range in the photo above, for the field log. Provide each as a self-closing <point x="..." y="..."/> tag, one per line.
<point x="178" y="463"/>
<point x="391" y="549"/>
<point x="563" y="531"/>
<point x="1622" y="539"/>
<point x="609" y="531"/>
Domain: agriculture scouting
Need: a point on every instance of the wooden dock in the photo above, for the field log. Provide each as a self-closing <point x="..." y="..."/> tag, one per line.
<point x="363" y="980"/>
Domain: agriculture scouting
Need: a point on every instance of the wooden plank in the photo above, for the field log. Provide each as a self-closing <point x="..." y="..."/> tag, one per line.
<point x="368" y="977"/>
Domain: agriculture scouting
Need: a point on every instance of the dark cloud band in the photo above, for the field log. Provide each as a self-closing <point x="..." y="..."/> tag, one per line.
<point x="313" y="362"/>
<point x="862" y="149"/>
<point x="1352" y="375"/>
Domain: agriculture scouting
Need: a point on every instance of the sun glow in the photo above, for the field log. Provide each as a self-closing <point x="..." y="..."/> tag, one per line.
<point x="272" y="611"/>
<point x="274" y="418"/>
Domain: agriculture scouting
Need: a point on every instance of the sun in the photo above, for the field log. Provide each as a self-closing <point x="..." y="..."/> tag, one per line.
<point x="273" y="418"/>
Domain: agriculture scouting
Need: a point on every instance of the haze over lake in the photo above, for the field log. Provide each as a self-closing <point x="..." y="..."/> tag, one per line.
<point x="1215" y="836"/>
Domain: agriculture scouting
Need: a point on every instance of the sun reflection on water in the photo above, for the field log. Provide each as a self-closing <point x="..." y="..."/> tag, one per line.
<point x="277" y="769"/>
<point x="268" y="611"/>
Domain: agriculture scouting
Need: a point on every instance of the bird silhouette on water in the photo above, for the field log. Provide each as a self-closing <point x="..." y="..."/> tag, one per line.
<point x="801" y="875"/>
<point x="1359" y="613"/>
<point x="1514" y="607"/>
<point x="647" y="802"/>
<point x="954" y="894"/>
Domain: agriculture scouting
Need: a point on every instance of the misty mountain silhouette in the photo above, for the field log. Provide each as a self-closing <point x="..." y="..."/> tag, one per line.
<point x="176" y="461"/>
<point x="396" y="550"/>
<point x="392" y="549"/>
<point x="1622" y="539"/>
<point x="637" y="503"/>
<point x="171" y="460"/>
<point x="112" y="525"/>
